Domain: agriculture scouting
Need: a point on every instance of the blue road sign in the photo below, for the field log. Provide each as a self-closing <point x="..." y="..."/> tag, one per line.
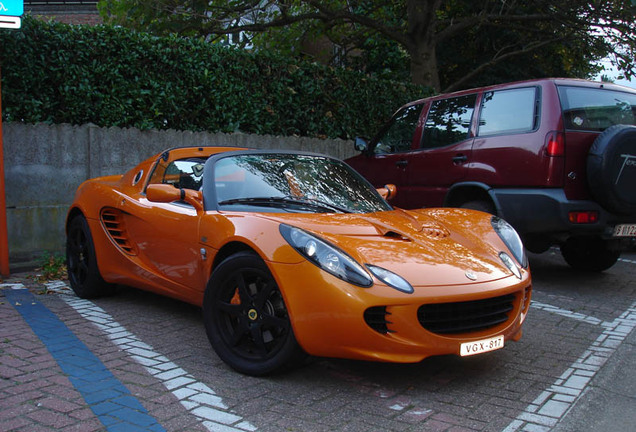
<point x="12" y="7"/>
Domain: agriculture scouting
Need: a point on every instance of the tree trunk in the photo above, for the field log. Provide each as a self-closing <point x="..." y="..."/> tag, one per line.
<point x="421" y="47"/>
<point x="424" y="67"/>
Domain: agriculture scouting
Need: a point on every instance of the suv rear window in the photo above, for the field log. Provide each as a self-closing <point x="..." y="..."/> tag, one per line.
<point x="596" y="109"/>
<point x="508" y="111"/>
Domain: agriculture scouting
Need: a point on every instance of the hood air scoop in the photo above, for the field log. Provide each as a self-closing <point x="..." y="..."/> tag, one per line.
<point x="411" y="228"/>
<point x="395" y="235"/>
<point x="437" y="232"/>
<point x="433" y="232"/>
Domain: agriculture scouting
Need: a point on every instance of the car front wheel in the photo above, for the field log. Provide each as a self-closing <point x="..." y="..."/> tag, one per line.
<point x="589" y="254"/>
<point x="246" y="319"/>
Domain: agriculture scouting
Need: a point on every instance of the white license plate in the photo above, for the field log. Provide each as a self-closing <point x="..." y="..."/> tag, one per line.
<point x="481" y="346"/>
<point x="625" y="230"/>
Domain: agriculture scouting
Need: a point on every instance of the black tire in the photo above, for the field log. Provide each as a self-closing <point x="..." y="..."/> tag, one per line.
<point x="611" y="169"/>
<point x="81" y="262"/>
<point x="590" y="254"/>
<point x="484" y="206"/>
<point x="246" y="319"/>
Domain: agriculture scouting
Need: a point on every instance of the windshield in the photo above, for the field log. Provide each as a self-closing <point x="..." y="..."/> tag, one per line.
<point x="596" y="109"/>
<point x="292" y="183"/>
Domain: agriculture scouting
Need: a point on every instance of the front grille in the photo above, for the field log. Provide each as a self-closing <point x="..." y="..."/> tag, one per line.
<point x="464" y="317"/>
<point x="114" y="224"/>
<point x="377" y="318"/>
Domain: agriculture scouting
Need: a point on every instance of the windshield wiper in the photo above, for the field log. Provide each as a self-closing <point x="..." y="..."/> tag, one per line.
<point x="320" y="203"/>
<point x="286" y="201"/>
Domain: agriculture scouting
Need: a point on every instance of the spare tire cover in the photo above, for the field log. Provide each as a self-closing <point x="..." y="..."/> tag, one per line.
<point x="611" y="169"/>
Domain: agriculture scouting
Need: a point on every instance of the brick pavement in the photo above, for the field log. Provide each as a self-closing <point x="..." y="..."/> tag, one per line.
<point x="35" y="394"/>
<point x="156" y="348"/>
<point x="107" y="397"/>
<point x="52" y="380"/>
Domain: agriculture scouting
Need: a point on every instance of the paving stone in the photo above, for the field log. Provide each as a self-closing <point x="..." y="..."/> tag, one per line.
<point x="571" y="342"/>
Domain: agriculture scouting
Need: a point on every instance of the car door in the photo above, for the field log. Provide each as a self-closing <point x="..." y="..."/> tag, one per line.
<point x="387" y="160"/>
<point x="444" y="151"/>
<point x="509" y="146"/>
<point x="167" y="234"/>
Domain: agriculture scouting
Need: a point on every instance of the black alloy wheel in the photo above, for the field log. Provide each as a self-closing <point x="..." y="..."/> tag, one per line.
<point x="246" y="318"/>
<point x="81" y="262"/>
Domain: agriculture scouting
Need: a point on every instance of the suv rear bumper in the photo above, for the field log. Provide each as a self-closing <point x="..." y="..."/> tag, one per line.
<point x="546" y="212"/>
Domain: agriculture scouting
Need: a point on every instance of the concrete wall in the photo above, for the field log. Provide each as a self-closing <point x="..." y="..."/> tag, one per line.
<point x="44" y="164"/>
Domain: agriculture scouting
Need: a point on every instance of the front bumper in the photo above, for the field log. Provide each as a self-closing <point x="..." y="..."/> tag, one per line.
<point x="327" y="315"/>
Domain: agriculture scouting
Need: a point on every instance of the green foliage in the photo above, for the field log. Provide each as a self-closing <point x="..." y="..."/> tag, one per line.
<point x="358" y="49"/>
<point x="109" y="76"/>
<point x="446" y="44"/>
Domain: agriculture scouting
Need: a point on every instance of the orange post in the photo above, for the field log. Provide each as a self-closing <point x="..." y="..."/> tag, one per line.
<point x="4" y="236"/>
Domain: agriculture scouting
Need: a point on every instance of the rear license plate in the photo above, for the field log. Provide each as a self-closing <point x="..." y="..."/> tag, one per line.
<point x="481" y="346"/>
<point x="625" y="230"/>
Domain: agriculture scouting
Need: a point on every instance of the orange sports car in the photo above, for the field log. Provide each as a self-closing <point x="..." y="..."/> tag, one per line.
<point x="294" y="253"/>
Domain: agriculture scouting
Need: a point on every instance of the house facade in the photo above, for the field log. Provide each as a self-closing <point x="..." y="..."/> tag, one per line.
<point x="66" y="11"/>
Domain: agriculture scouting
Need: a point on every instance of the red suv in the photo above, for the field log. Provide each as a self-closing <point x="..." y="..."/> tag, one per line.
<point x="555" y="157"/>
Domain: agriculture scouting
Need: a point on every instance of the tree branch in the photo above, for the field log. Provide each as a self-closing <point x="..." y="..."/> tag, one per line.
<point x="496" y="60"/>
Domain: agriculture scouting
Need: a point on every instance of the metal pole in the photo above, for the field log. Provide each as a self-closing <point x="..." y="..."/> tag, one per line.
<point x="4" y="236"/>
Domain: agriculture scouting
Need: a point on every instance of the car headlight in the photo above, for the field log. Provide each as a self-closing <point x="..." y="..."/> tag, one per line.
<point x="511" y="239"/>
<point x="326" y="256"/>
<point x="505" y="258"/>
<point x="391" y="279"/>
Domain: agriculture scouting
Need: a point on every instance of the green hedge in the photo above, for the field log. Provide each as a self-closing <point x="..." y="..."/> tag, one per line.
<point x="56" y="73"/>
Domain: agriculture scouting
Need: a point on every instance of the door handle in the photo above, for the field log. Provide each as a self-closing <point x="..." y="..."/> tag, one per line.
<point x="401" y="163"/>
<point x="460" y="159"/>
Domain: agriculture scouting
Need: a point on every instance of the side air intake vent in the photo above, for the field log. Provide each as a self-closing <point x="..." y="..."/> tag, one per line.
<point x="377" y="318"/>
<point x="116" y="229"/>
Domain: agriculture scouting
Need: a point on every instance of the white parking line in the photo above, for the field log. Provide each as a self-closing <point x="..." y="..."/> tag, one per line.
<point x="195" y="396"/>
<point x="550" y="407"/>
<point x="14" y="286"/>
<point x="556" y="401"/>
<point x="569" y="314"/>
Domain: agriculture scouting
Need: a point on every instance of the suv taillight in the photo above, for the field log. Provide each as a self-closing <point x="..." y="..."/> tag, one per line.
<point x="555" y="143"/>
<point x="583" y="217"/>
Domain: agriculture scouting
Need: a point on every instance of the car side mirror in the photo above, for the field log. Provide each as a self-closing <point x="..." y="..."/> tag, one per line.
<point x="361" y="144"/>
<point x="165" y="193"/>
<point x="388" y="192"/>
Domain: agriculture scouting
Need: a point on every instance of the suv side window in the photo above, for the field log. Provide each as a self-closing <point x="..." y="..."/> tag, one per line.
<point x="508" y="111"/>
<point x="448" y="121"/>
<point x="399" y="135"/>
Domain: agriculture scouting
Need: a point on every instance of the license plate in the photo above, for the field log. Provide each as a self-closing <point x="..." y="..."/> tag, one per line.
<point x="625" y="230"/>
<point x="481" y="346"/>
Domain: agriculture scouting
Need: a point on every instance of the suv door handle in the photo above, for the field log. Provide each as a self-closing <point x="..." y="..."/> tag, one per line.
<point x="401" y="163"/>
<point x="459" y="159"/>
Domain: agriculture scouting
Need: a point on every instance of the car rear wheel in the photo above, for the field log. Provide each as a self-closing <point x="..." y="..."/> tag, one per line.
<point x="81" y="262"/>
<point x="589" y="254"/>
<point x="246" y="319"/>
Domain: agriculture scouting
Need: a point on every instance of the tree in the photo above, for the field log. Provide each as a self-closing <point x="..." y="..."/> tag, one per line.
<point x="449" y="44"/>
